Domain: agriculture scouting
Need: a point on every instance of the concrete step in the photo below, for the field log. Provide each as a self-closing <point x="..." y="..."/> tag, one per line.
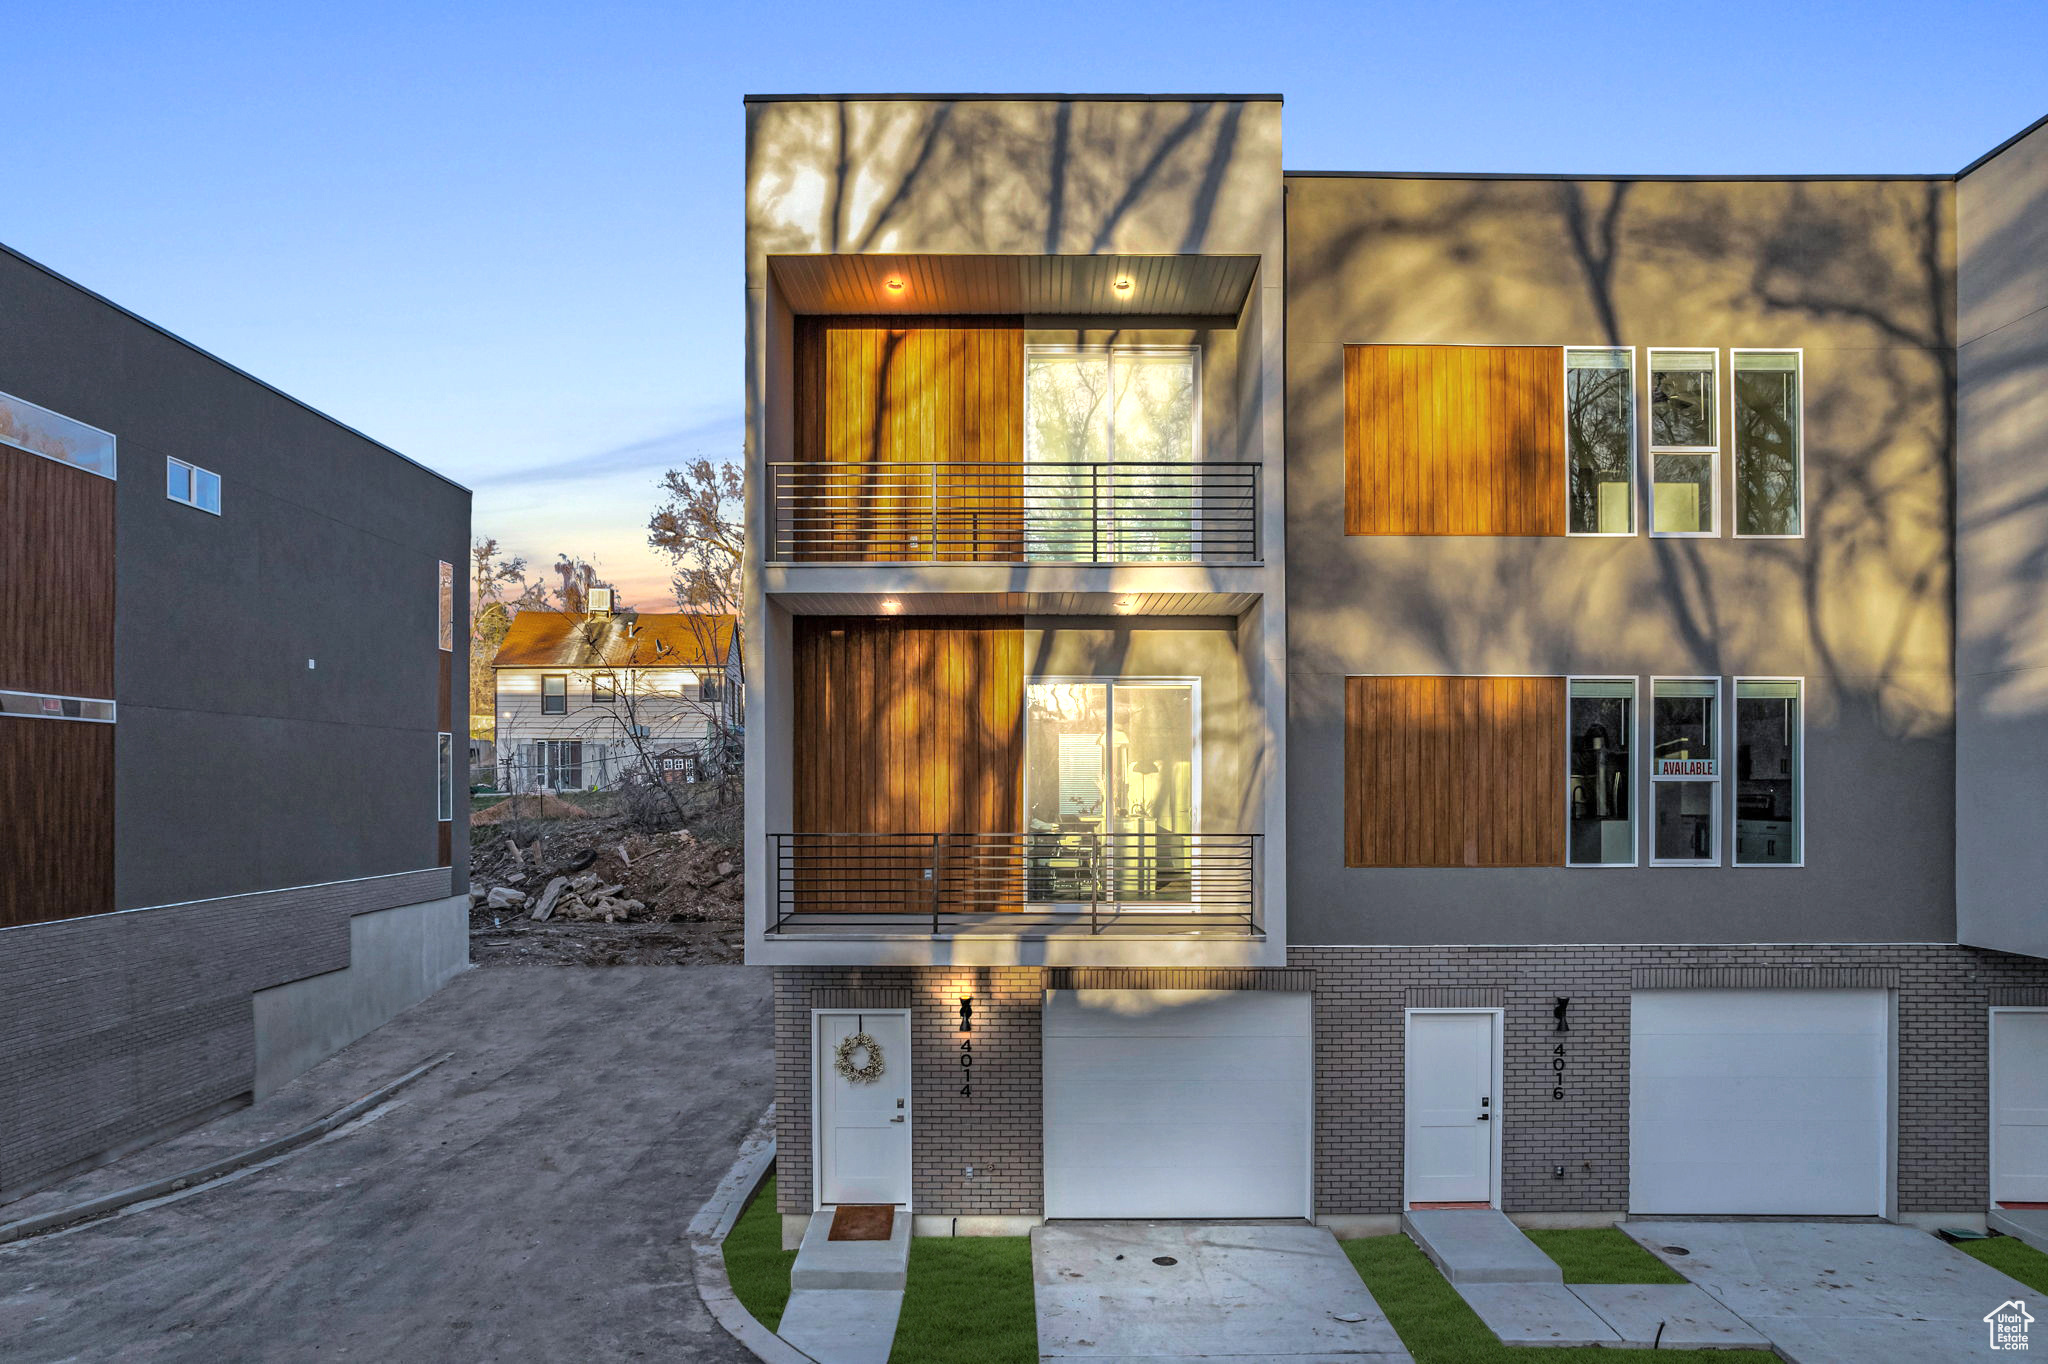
<point x="2027" y="1224"/>
<point x="1479" y="1245"/>
<point x="824" y="1263"/>
<point x="1537" y="1314"/>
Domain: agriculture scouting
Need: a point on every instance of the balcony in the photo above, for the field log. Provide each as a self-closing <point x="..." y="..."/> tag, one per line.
<point x="1030" y="884"/>
<point x="886" y="512"/>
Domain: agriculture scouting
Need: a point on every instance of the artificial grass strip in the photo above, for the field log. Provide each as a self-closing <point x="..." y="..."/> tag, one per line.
<point x="968" y="1300"/>
<point x="755" y="1260"/>
<point x="2012" y="1257"/>
<point x="1438" y="1328"/>
<point x="1602" y="1255"/>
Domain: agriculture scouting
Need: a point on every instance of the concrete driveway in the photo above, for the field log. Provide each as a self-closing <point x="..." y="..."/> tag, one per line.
<point x="1839" y="1292"/>
<point x="525" y="1201"/>
<point x="1233" y="1290"/>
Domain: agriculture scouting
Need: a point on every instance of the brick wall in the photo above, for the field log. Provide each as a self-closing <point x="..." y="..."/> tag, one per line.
<point x="117" y="1026"/>
<point x="1943" y="991"/>
<point x="1361" y="993"/>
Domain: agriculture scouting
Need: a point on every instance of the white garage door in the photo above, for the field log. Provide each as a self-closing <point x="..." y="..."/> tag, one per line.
<point x="1177" y="1103"/>
<point x="1758" y="1101"/>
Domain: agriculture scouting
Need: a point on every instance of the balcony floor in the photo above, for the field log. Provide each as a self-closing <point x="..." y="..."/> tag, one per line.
<point x="1027" y="924"/>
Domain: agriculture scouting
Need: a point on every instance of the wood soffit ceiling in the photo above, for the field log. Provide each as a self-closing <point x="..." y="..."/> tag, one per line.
<point x="1160" y="286"/>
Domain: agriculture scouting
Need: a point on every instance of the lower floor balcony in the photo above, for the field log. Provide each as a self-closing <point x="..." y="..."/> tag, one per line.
<point x="1072" y="879"/>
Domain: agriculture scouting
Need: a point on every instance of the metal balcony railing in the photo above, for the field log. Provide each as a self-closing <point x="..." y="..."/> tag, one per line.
<point x="955" y="883"/>
<point x="979" y="513"/>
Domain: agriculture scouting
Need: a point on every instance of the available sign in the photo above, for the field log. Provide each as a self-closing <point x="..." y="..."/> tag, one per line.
<point x="1688" y="767"/>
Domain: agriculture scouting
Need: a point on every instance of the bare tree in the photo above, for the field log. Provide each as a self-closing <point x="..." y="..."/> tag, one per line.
<point x="499" y="590"/>
<point x="701" y="527"/>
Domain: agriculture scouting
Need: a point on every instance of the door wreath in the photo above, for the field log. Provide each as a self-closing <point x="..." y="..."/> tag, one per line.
<point x="862" y="1074"/>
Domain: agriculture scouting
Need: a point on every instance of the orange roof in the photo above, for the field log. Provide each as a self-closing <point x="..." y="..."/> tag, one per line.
<point x="560" y="639"/>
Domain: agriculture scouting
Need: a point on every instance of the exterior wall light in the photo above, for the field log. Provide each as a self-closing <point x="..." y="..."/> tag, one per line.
<point x="890" y="606"/>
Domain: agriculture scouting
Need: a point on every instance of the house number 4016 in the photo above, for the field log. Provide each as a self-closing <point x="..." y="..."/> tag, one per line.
<point x="1557" y="1071"/>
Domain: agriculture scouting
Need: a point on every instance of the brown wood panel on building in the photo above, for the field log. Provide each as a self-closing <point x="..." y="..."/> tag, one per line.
<point x="57" y="560"/>
<point x="1454" y="440"/>
<point x="905" y="727"/>
<point x="1454" y="771"/>
<point x="911" y="390"/>
<point x="57" y="839"/>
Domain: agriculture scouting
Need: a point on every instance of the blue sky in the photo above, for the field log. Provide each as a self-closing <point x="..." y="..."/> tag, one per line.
<point x="505" y="238"/>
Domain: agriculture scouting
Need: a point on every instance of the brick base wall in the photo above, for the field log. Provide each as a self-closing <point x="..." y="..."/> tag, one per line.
<point x="1944" y="993"/>
<point x="118" y="1026"/>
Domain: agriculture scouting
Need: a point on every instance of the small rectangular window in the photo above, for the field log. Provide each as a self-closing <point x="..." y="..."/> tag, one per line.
<point x="604" y="687"/>
<point x="1685" y="448"/>
<point x="1601" y="781"/>
<point x="1769" y="729"/>
<point x="554" y="694"/>
<point x="192" y="485"/>
<point x="36" y="429"/>
<point x="1600" y="440"/>
<point x="1768" y="460"/>
<point x="1685" y="771"/>
<point x="446" y="803"/>
<point x="711" y="686"/>
<point x="448" y="606"/>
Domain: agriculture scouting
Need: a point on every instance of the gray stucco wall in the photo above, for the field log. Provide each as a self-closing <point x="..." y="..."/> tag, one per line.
<point x="2001" y="566"/>
<point x="1858" y="274"/>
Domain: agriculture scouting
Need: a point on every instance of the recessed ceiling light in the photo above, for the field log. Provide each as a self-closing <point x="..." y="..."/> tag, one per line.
<point x="1121" y="284"/>
<point x="890" y="606"/>
<point x="893" y="284"/>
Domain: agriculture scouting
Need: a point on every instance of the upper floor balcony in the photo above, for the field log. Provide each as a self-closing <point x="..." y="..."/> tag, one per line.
<point x="971" y="512"/>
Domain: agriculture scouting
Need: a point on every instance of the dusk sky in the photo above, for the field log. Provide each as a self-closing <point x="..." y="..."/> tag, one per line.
<point x="505" y="238"/>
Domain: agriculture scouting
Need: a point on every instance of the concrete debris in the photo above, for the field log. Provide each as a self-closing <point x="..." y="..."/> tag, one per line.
<point x="599" y="870"/>
<point x="546" y="904"/>
<point x="505" y="897"/>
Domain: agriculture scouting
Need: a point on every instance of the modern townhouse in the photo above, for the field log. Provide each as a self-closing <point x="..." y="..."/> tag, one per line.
<point x="231" y="841"/>
<point x="585" y="697"/>
<point x="1286" y="694"/>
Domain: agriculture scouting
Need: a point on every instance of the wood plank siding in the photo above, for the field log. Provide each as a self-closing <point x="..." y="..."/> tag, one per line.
<point x="909" y="391"/>
<point x="57" y="638"/>
<point x="1454" y="771"/>
<point x="1454" y="440"/>
<point x="906" y="728"/>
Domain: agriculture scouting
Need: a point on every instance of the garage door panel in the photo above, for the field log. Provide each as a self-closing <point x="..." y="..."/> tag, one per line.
<point x="1177" y="1103"/>
<point x="1758" y="1102"/>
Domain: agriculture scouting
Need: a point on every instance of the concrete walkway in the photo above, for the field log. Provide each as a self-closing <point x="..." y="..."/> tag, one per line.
<point x="527" y="1200"/>
<point x="1267" y="1291"/>
<point x="845" y="1296"/>
<point x="1839" y="1292"/>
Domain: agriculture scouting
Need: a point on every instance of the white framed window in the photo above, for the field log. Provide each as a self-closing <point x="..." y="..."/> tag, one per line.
<point x="192" y="485"/>
<point x="1684" y="723"/>
<point x="1600" y="778"/>
<point x="604" y="687"/>
<point x="445" y="802"/>
<point x="1136" y="408"/>
<point x="1767" y="747"/>
<point x="554" y="694"/>
<point x="1685" y="441"/>
<point x="1768" y="392"/>
<point x="1600" y="440"/>
<point x="36" y="429"/>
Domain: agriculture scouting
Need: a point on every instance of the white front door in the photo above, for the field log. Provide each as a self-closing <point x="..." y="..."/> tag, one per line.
<point x="1453" y="1107"/>
<point x="863" y="1128"/>
<point x="2019" y="1106"/>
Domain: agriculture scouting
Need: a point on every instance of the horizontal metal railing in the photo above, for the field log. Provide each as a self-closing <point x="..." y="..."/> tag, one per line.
<point x="957" y="512"/>
<point x="1115" y="881"/>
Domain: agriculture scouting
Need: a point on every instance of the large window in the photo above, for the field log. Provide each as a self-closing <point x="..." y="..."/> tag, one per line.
<point x="1137" y="409"/>
<point x="1601" y="780"/>
<point x="1769" y="727"/>
<point x="1685" y="770"/>
<point x="1600" y="440"/>
<point x="557" y="764"/>
<point x="27" y="426"/>
<point x="1767" y="442"/>
<point x="445" y="800"/>
<point x="1685" y="442"/>
<point x="554" y="694"/>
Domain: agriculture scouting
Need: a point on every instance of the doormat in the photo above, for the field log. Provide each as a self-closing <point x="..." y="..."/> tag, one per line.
<point x="862" y="1222"/>
<point x="2021" y="1207"/>
<point x="1439" y="1207"/>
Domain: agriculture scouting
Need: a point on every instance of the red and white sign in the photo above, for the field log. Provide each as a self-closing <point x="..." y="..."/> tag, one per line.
<point x="1688" y="767"/>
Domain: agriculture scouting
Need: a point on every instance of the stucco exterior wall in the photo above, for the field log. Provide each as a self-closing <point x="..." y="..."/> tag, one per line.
<point x="2001" y="569"/>
<point x="1859" y="274"/>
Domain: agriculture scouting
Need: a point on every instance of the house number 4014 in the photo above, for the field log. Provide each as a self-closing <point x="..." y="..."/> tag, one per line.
<point x="967" y="1049"/>
<point x="1557" y="1071"/>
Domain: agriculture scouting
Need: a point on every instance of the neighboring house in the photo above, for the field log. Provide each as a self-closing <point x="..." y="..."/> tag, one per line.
<point x="1452" y="692"/>
<point x="582" y="697"/>
<point x="232" y="842"/>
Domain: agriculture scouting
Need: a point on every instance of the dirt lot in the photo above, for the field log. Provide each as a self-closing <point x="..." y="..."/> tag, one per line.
<point x="605" y="881"/>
